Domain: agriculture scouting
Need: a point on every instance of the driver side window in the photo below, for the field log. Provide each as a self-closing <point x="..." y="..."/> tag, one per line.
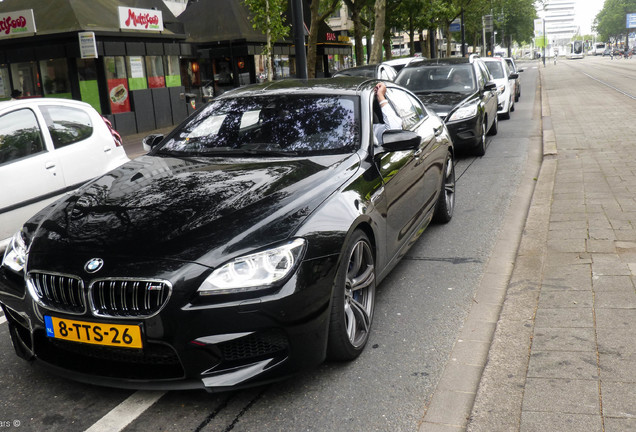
<point x="410" y="111"/>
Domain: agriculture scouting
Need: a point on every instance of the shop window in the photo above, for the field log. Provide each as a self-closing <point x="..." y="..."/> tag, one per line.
<point x="338" y="62"/>
<point x="55" y="78"/>
<point x="136" y="73"/>
<point x="282" y="67"/>
<point x="223" y="76"/>
<point x="67" y="125"/>
<point x="89" y="90"/>
<point x="173" y="73"/>
<point x="117" y="83"/>
<point x="19" y="135"/>
<point x="25" y="78"/>
<point x="5" y="85"/>
<point x="154" y="68"/>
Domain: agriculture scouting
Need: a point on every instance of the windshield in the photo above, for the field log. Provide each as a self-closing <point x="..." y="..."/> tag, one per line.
<point x="281" y="124"/>
<point x="496" y="70"/>
<point x="438" y="78"/>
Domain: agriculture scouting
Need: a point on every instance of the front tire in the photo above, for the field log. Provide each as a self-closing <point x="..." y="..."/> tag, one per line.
<point x="495" y="127"/>
<point x="353" y="300"/>
<point x="480" y="150"/>
<point x="446" y="201"/>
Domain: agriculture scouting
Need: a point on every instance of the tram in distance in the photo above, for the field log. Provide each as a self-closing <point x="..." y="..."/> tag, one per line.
<point x="575" y="50"/>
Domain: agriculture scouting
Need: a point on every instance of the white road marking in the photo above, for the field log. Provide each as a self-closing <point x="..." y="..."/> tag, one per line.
<point x="127" y="411"/>
<point x="3" y="319"/>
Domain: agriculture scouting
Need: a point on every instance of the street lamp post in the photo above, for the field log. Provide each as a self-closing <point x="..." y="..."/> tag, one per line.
<point x="544" y="38"/>
<point x="299" y="39"/>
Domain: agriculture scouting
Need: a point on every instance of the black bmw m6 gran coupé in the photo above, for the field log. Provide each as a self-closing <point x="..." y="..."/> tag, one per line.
<point x="245" y="246"/>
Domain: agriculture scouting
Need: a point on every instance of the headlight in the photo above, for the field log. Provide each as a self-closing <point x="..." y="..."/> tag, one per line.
<point x="255" y="271"/>
<point x="464" y="112"/>
<point x="16" y="253"/>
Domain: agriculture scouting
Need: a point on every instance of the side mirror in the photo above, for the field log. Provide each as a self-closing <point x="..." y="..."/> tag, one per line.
<point x="513" y="76"/>
<point x="490" y="85"/>
<point x="398" y="140"/>
<point x="151" y="141"/>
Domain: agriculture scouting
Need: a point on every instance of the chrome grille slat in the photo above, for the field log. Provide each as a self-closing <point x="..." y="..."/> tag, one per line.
<point x="63" y="293"/>
<point x="128" y="298"/>
<point x="116" y="297"/>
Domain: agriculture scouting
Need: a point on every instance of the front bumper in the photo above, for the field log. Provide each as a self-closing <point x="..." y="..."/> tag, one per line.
<point x="503" y="103"/>
<point x="215" y="343"/>
<point x="466" y="134"/>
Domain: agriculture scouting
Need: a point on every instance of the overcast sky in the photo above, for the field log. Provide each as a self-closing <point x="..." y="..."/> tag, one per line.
<point x="586" y="12"/>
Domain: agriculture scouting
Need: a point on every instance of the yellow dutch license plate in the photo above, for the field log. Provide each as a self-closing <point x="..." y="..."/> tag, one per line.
<point x="117" y="335"/>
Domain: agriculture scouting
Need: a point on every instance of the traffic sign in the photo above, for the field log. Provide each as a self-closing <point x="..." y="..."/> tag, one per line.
<point x="486" y="21"/>
<point x="456" y="25"/>
<point x="631" y="20"/>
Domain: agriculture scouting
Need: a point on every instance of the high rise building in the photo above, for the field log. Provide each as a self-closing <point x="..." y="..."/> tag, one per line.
<point x="560" y="22"/>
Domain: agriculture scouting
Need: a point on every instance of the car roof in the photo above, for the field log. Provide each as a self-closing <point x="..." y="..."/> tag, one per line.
<point x="347" y="85"/>
<point x="441" y="61"/>
<point x="402" y="61"/>
<point x="41" y="100"/>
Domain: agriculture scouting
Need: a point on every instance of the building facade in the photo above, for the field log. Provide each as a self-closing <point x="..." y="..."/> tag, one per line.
<point x="560" y="21"/>
<point x="122" y="57"/>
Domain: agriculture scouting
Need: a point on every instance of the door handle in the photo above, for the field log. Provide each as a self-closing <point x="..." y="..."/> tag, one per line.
<point x="438" y="130"/>
<point x="49" y="165"/>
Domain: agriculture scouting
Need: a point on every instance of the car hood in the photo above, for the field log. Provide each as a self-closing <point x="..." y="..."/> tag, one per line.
<point x="202" y="210"/>
<point x="444" y="102"/>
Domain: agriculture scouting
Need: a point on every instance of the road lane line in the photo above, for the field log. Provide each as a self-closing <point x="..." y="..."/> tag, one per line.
<point x="127" y="411"/>
<point x="3" y="319"/>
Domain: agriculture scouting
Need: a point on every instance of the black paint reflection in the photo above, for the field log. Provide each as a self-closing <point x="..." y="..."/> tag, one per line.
<point x="187" y="206"/>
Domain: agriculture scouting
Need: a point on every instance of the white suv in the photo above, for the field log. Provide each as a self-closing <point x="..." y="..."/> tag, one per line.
<point x="49" y="147"/>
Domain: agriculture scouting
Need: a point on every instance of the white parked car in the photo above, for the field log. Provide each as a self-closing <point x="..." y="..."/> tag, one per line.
<point x="505" y="79"/>
<point x="49" y="147"/>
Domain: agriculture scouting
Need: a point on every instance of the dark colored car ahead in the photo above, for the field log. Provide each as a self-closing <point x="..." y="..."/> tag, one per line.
<point x="461" y="91"/>
<point x="245" y="246"/>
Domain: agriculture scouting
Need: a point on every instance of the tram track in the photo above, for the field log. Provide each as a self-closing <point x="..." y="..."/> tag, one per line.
<point x="599" y="72"/>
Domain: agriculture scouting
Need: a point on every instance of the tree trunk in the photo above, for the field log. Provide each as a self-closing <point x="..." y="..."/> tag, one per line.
<point x="449" y="36"/>
<point x="411" y="37"/>
<point x="380" y="15"/>
<point x="312" y="39"/>
<point x="386" y="43"/>
<point x="270" y="51"/>
<point x="423" y="46"/>
<point x="357" y="36"/>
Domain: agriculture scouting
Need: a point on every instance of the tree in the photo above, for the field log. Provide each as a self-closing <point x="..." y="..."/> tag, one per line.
<point x="378" y="32"/>
<point x="360" y="25"/>
<point x="610" y="22"/>
<point x="268" y="17"/>
<point x="320" y="10"/>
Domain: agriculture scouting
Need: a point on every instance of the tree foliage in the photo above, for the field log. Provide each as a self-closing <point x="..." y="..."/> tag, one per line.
<point x="611" y="20"/>
<point x="268" y="16"/>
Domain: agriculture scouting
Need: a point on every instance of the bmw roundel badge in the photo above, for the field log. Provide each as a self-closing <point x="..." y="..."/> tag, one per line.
<point x="93" y="265"/>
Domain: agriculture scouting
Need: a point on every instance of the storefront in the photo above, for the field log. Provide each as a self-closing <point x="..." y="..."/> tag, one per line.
<point x="229" y="51"/>
<point x="122" y="59"/>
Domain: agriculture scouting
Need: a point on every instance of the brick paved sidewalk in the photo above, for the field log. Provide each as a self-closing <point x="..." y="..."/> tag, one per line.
<point x="564" y="353"/>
